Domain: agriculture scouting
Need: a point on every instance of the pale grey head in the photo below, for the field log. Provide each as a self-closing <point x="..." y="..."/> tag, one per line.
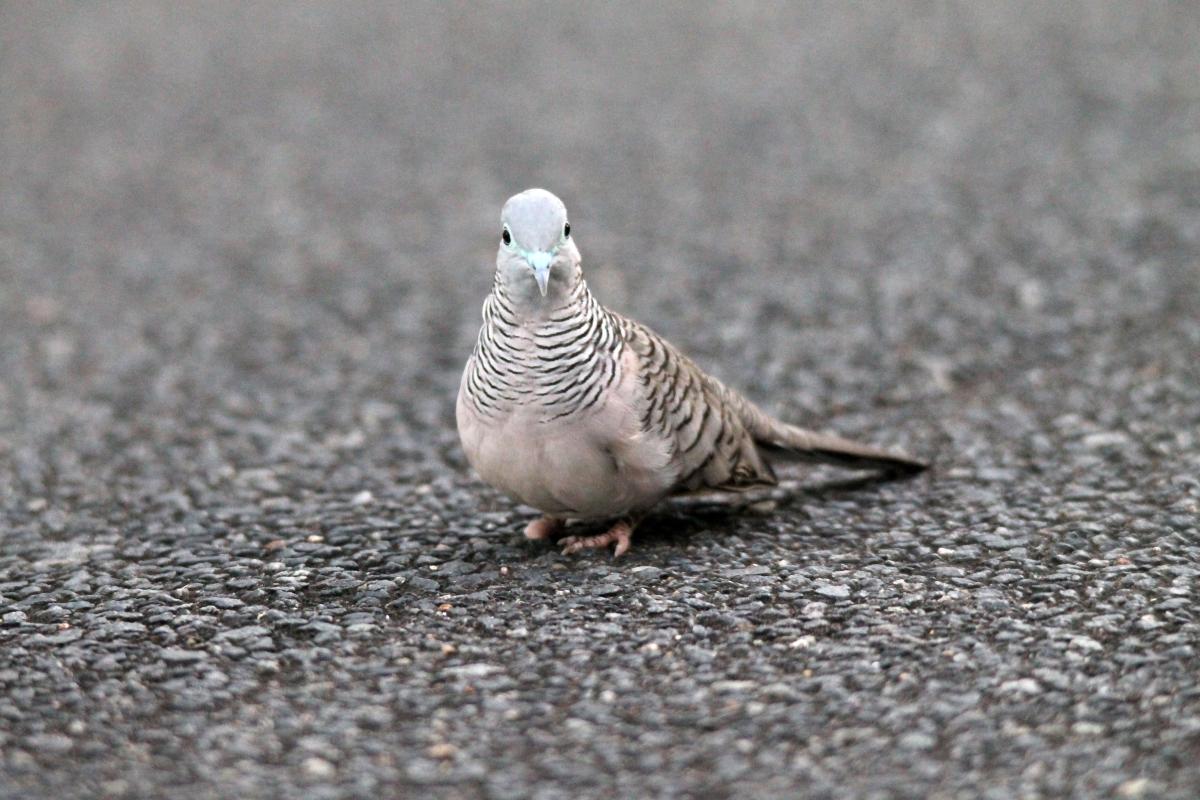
<point x="537" y="260"/>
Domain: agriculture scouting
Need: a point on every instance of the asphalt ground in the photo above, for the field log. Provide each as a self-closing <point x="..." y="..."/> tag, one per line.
<point x="243" y="249"/>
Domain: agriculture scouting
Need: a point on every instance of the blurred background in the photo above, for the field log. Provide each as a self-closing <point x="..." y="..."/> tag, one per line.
<point x="243" y="251"/>
<point x="236" y="217"/>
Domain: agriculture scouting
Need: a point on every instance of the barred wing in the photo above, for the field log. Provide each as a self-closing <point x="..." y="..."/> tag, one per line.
<point x="702" y="420"/>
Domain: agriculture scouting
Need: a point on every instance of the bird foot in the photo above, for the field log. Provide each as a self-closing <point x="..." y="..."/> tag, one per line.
<point x="543" y="528"/>
<point x="618" y="534"/>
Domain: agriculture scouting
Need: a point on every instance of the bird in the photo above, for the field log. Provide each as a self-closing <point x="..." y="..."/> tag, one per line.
<point x="584" y="414"/>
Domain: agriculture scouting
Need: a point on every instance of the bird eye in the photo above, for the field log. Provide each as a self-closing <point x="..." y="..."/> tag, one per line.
<point x="567" y="231"/>
<point x="506" y="236"/>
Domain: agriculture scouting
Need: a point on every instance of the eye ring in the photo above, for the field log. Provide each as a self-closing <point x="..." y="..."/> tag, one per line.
<point x="567" y="231"/>
<point x="505" y="236"/>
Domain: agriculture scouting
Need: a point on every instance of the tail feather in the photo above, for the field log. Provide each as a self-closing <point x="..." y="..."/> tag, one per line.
<point x="803" y="445"/>
<point x="791" y="442"/>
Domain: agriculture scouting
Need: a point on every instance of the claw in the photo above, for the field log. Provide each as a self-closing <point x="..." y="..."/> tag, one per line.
<point x="619" y="534"/>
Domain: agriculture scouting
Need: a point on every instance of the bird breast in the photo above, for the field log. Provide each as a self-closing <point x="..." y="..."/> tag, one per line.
<point x="590" y="464"/>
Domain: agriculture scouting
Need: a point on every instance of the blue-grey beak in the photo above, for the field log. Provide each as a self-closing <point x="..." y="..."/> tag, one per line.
<point x="540" y="261"/>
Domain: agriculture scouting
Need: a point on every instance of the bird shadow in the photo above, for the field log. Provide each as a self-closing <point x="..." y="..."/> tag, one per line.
<point x="686" y="515"/>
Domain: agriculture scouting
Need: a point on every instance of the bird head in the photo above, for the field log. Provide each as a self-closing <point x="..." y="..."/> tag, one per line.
<point x="537" y="258"/>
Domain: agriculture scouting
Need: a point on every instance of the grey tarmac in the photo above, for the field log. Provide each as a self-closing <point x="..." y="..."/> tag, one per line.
<point x="242" y="251"/>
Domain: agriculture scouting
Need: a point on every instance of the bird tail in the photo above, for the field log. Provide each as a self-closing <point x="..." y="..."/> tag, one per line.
<point x="799" y="444"/>
<point x="793" y="443"/>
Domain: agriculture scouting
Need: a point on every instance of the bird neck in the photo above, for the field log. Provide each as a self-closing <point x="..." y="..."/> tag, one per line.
<point x="553" y="362"/>
<point x="518" y="306"/>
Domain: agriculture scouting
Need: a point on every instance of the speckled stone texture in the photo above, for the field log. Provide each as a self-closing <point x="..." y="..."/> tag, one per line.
<point x="243" y="249"/>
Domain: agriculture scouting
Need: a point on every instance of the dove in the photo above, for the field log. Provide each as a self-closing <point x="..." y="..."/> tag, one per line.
<point x="584" y="414"/>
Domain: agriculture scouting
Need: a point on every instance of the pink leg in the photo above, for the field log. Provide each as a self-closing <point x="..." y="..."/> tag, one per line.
<point x="618" y="534"/>
<point x="543" y="528"/>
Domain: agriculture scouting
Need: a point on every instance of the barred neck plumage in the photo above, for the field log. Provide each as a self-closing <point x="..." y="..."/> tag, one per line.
<point x="558" y="362"/>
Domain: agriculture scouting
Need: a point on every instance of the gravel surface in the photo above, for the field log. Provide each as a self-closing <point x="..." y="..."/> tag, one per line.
<point x="243" y="250"/>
